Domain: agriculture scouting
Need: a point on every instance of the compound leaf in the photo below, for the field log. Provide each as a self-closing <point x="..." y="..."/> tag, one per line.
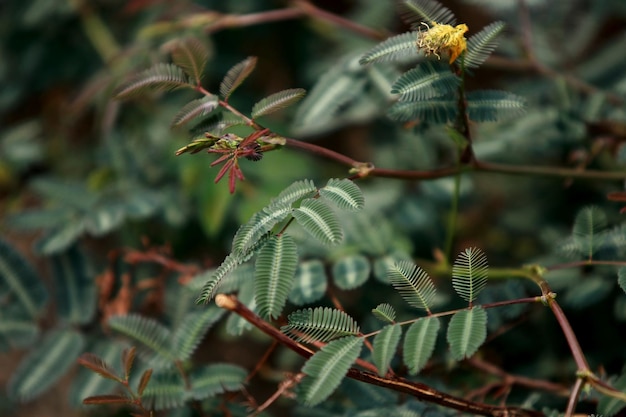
<point x="466" y="332"/>
<point x="493" y="105"/>
<point x="43" y="366"/>
<point x="319" y="220"/>
<point x="414" y="12"/>
<point x="326" y="369"/>
<point x="413" y="284"/>
<point x="589" y="222"/>
<point x="309" y="283"/>
<point x="351" y="271"/>
<point x="192" y="329"/>
<point x="291" y="194"/>
<point x="195" y="108"/>
<point x="191" y="55"/>
<point x="236" y="75"/>
<point x="216" y="378"/>
<point x="259" y="225"/>
<point x="469" y="273"/>
<point x="274" y="272"/>
<point x="344" y="193"/>
<point x="419" y="343"/>
<point x="426" y="81"/>
<point x="320" y="324"/>
<point x="434" y="110"/>
<point x="384" y="312"/>
<point x="394" y="48"/>
<point x="277" y="101"/>
<point x="385" y="345"/>
<point x="160" y="77"/>
<point x="482" y="44"/>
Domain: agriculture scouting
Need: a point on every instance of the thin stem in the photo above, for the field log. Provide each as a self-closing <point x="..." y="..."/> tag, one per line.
<point x="453" y="216"/>
<point x="577" y="264"/>
<point x="416" y="389"/>
<point x="577" y="352"/>
<point x="573" y="398"/>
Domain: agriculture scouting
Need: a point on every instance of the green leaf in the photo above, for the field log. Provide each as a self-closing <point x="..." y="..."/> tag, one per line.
<point x="319" y="220"/>
<point x="309" y="283"/>
<point x="419" y="343"/>
<point x="277" y="101"/>
<point x="208" y="381"/>
<point x="160" y="77"/>
<point x="192" y="329"/>
<point x="426" y="81"/>
<point x="385" y="345"/>
<point x="414" y="12"/>
<point x="39" y="219"/>
<point x="326" y="369"/>
<point x="165" y="390"/>
<point x="76" y="291"/>
<point x="589" y="222"/>
<point x="60" y="238"/>
<point x="228" y="265"/>
<point x="384" y="312"/>
<point x="413" y="284"/>
<point x="609" y="406"/>
<point x="320" y="324"/>
<point x="258" y="226"/>
<point x="274" y="272"/>
<point x="236" y="75"/>
<point x="591" y="290"/>
<point x="621" y="278"/>
<point x="45" y="365"/>
<point x="482" y="44"/>
<point x="191" y="55"/>
<point x="467" y="331"/>
<point x="392" y="49"/>
<point x="195" y="108"/>
<point x="17" y="333"/>
<point x="154" y="339"/>
<point x="344" y="193"/>
<point x="351" y="271"/>
<point x="19" y="281"/>
<point x="492" y="105"/>
<point x="469" y="273"/>
<point x="434" y="110"/>
<point x="294" y="192"/>
<point x="236" y="325"/>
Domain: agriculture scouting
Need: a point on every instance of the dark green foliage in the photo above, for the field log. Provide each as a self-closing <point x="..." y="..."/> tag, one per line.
<point x="320" y="324"/>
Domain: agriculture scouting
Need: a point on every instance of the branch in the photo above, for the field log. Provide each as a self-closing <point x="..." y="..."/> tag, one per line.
<point x="416" y="389"/>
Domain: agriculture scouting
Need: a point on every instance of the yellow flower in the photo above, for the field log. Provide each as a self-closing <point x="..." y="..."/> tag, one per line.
<point x="443" y="39"/>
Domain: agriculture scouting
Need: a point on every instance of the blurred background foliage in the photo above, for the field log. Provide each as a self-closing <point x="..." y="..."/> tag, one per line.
<point x="80" y="170"/>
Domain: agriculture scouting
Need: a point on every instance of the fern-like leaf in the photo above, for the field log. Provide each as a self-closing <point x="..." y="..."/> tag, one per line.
<point x="228" y="265"/>
<point x="309" y="283"/>
<point x="274" y="272"/>
<point x="469" y="273"/>
<point x="326" y="369"/>
<point x="20" y="282"/>
<point x="426" y="81"/>
<point x="192" y="329"/>
<point x="398" y="47"/>
<point x="236" y="75"/>
<point x="259" y="224"/>
<point x="320" y="324"/>
<point x="385" y="345"/>
<point x="419" y="343"/>
<point x="277" y="101"/>
<point x="216" y="378"/>
<point x="588" y="224"/>
<point x="319" y="220"/>
<point x="482" y="44"/>
<point x="291" y="194"/>
<point x="384" y="312"/>
<point x="43" y="366"/>
<point x="434" y="110"/>
<point x="414" y="12"/>
<point x="195" y="108"/>
<point x="153" y="338"/>
<point x="351" y="271"/>
<point x="466" y="332"/>
<point x="344" y="193"/>
<point x="493" y="105"/>
<point x="191" y="55"/>
<point x="610" y="405"/>
<point x="166" y="390"/>
<point x="160" y="77"/>
<point x="413" y="284"/>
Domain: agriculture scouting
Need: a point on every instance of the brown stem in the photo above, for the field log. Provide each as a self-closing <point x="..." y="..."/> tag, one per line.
<point x="416" y="389"/>
<point x="573" y="398"/>
<point x="572" y="342"/>
<point x="584" y="263"/>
